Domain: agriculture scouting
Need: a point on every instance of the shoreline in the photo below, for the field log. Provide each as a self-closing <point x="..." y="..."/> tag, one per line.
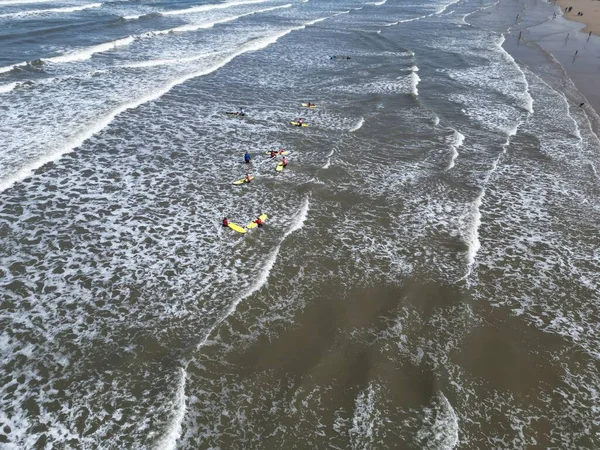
<point x="575" y="53"/>
<point x="590" y="10"/>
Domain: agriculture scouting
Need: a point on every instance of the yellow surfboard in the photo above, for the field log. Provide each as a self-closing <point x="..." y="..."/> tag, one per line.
<point x="279" y="167"/>
<point x="236" y="227"/>
<point x="243" y="180"/>
<point x="251" y="225"/>
<point x="277" y="153"/>
<point x="306" y="105"/>
<point x="296" y="124"/>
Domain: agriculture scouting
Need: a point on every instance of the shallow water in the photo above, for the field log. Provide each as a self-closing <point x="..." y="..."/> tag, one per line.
<point x="427" y="277"/>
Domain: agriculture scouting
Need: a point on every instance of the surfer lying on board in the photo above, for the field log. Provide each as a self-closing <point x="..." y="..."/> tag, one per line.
<point x="258" y="221"/>
<point x="225" y="222"/>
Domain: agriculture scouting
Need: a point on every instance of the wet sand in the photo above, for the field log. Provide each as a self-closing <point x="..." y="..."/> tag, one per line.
<point x="567" y="42"/>
<point x="590" y="10"/>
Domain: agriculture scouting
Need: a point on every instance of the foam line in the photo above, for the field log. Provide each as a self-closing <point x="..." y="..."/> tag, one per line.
<point x="457" y="142"/>
<point x="23" y="2"/>
<point x="358" y="125"/>
<point x="414" y="82"/>
<point x="87" y="52"/>
<point x="196" y="9"/>
<point x="12" y="67"/>
<point x="438" y="12"/>
<point x="81" y="136"/>
<point x="205" y="25"/>
<point x="168" y="440"/>
<point x="162" y="62"/>
<point x="204" y="8"/>
<point x="297" y="223"/>
<point x="472" y="238"/>
<point x="4" y="88"/>
<point x="528" y="100"/>
<point x="67" y="9"/>
<point x="443" y="8"/>
<point x="445" y="427"/>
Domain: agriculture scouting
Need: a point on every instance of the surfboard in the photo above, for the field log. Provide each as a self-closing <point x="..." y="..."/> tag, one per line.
<point x="296" y="124"/>
<point x="277" y="153"/>
<point x="236" y="227"/>
<point x="251" y="225"/>
<point x="279" y="167"/>
<point x="306" y="105"/>
<point x="243" y="180"/>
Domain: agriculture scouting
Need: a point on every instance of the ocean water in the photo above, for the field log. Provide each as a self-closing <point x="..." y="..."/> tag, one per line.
<point x="429" y="273"/>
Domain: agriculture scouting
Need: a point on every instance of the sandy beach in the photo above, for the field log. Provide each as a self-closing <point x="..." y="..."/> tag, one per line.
<point x="590" y="10"/>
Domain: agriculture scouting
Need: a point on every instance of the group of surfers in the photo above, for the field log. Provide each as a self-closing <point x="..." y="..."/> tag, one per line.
<point x="272" y="154"/>
<point x="258" y="221"/>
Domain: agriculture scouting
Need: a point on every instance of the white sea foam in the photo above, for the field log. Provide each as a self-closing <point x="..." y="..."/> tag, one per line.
<point x="414" y="82"/>
<point x="382" y="2"/>
<point x="162" y="62"/>
<point x="23" y="2"/>
<point x="205" y="25"/>
<point x="444" y="7"/>
<point x="464" y="18"/>
<point x="4" y="88"/>
<point x="91" y="129"/>
<point x="358" y="125"/>
<point x="527" y="98"/>
<point x="66" y="9"/>
<point x="12" y="67"/>
<point x="168" y="441"/>
<point x="365" y="419"/>
<point x="440" y="428"/>
<point x="87" y="52"/>
<point x="471" y="237"/>
<point x="296" y="224"/>
<point x="436" y="121"/>
<point x="204" y="8"/>
<point x="471" y="232"/>
<point x="458" y="139"/>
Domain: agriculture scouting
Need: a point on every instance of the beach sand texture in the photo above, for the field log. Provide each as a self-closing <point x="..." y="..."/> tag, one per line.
<point x="590" y="10"/>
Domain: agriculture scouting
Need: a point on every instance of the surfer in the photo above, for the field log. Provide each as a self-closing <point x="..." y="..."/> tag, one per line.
<point x="248" y="179"/>
<point x="273" y="153"/>
<point x="258" y="222"/>
<point x="284" y="162"/>
<point x="247" y="157"/>
<point x="225" y="222"/>
<point x="299" y="122"/>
